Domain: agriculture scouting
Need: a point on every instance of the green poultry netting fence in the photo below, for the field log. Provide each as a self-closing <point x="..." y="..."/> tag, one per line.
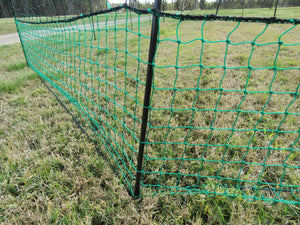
<point x="224" y="108"/>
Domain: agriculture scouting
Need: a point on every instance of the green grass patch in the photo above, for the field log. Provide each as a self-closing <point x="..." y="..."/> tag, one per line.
<point x="14" y="73"/>
<point x="16" y="83"/>
<point x="15" y="66"/>
<point x="7" y="26"/>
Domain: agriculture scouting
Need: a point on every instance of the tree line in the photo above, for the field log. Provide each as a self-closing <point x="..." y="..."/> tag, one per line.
<point x="49" y="7"/>
<point x="75" y="7"/>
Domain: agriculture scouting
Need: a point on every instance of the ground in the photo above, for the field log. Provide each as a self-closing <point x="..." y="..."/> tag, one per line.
<point x="51" y="173"/>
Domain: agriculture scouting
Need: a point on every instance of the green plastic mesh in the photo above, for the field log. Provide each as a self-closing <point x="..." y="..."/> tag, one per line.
<point x="225" y="109"/>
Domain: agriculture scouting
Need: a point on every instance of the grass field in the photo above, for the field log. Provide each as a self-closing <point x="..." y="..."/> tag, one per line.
<point x="282" y="12"/>
<point x="50" y="173"/>
<point x="7" y="26"/>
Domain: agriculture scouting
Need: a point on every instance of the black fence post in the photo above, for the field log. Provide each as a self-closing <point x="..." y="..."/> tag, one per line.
<point x="147" y="95"/>
<point x="243" y="6"/>
<point x="218" y="7"/>
<point x="130" y="4"/>
<point x="164" y="2"/>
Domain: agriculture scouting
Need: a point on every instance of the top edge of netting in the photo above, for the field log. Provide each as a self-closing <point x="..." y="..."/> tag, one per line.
<point x="177" y="16"/>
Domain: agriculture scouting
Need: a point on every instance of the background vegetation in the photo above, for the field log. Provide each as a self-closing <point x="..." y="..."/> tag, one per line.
<point x="71" y="7"/>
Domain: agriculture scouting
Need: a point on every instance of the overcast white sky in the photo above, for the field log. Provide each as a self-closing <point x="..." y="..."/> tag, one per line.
<point x="122" y="1"/>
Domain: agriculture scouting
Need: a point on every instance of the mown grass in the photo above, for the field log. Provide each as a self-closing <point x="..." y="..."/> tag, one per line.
<point x="7" y="26"/>
<point x="14" y="71"/>
<point x="50" y="173"/>
<point x="282" y="12"/>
